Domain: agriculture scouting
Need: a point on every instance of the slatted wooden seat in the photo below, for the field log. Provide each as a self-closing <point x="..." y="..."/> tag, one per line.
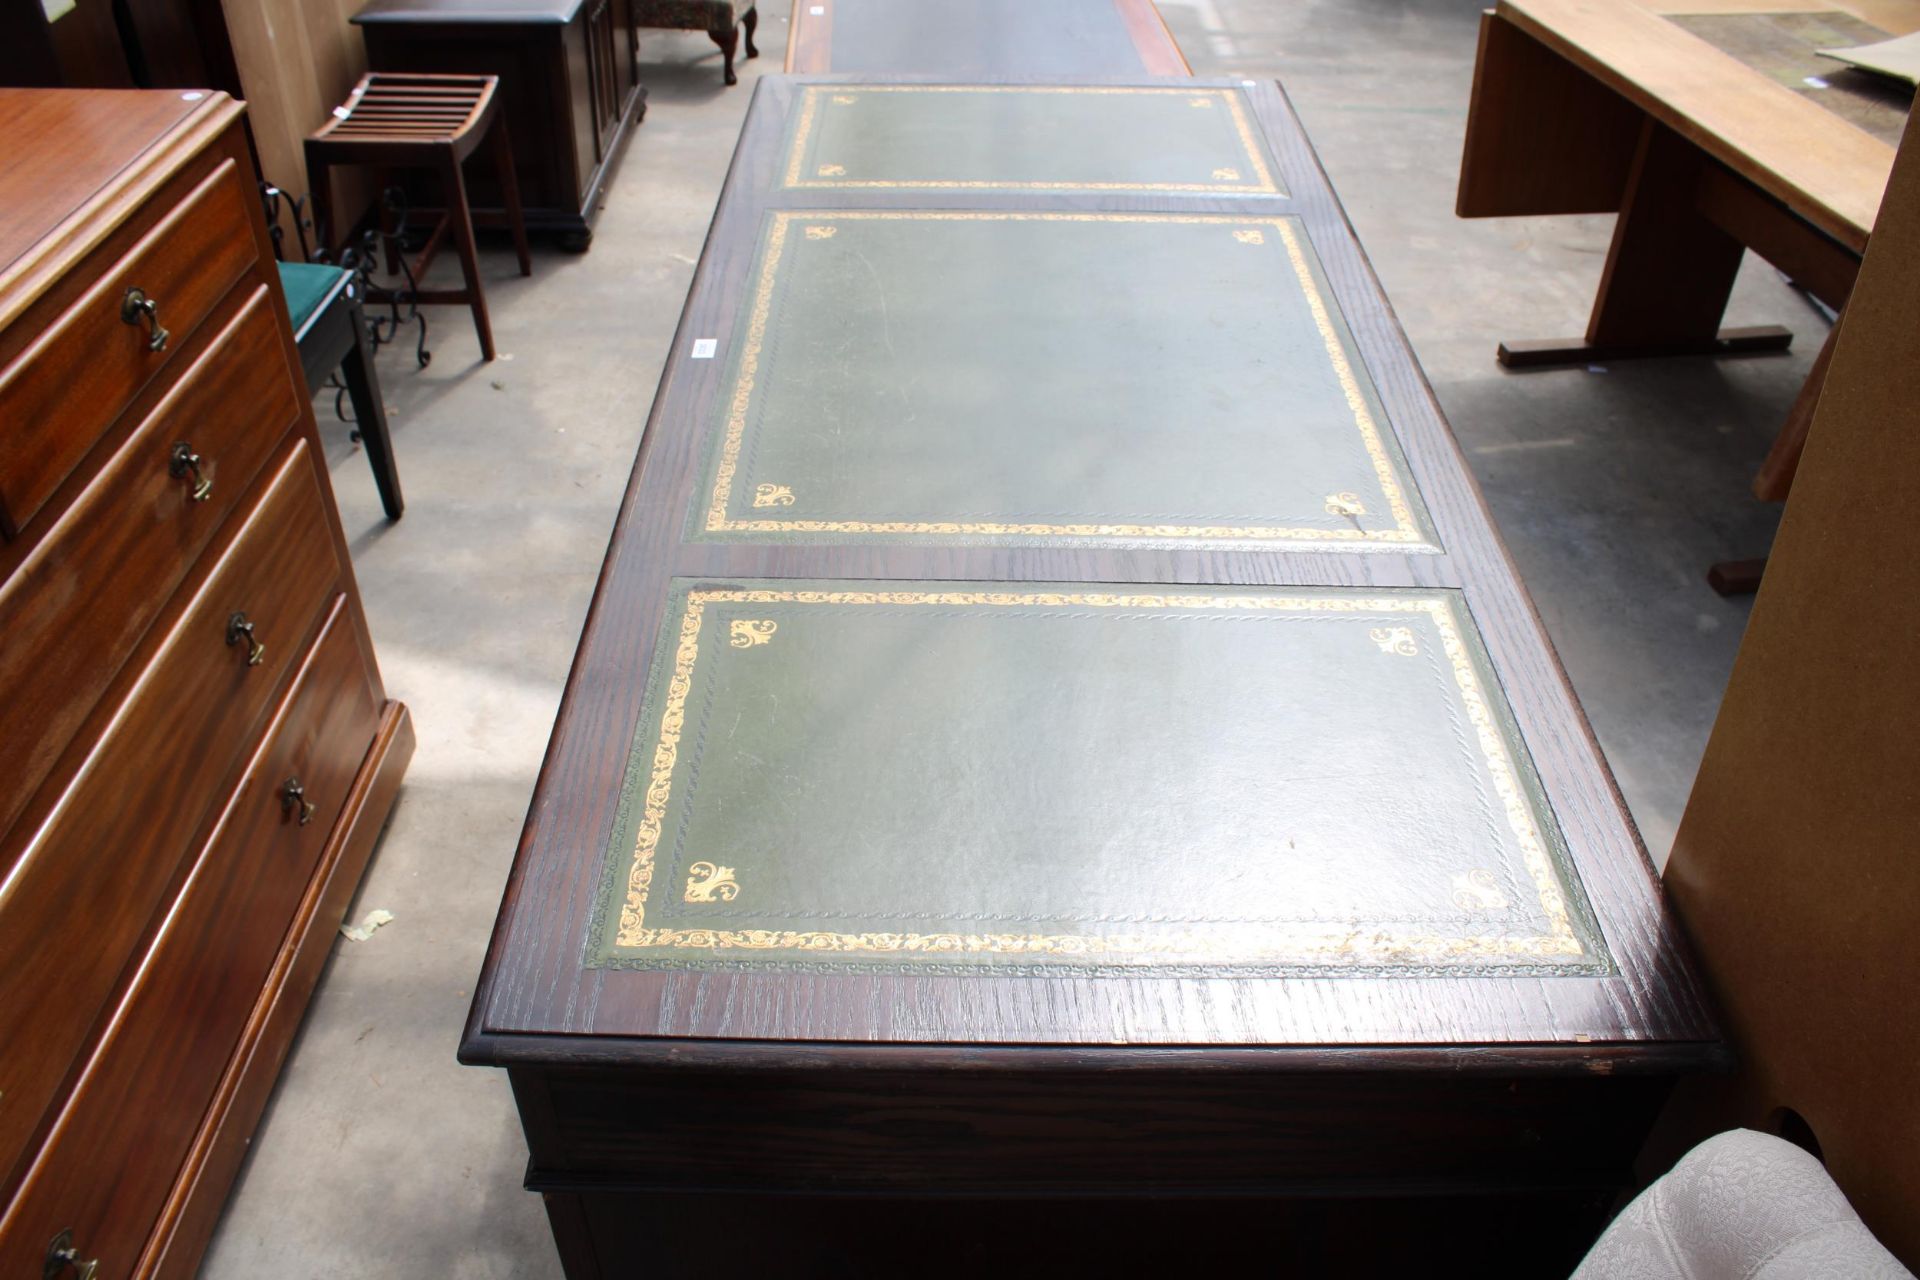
<point x="395" y="120"/>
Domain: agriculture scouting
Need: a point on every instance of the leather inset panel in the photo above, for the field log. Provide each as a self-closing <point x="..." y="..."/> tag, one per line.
<point x="1028" y="378"/>
<point x="937" y="776"/>
<point x="1139" y="138"/>
<point x="983" y="37"/>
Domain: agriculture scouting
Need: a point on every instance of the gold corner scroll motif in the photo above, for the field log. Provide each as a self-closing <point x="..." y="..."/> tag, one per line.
<point x="720" y="520"/>
<point x="1395" y="640"/>
<point x="833" y="170"/>
<point x="745" y="633"/>
<point x="707" y="882"/>
<point x="1227" y="175"/>
<point x="821" y="233"/>
<point x="1306" y="945"/>
<point x="1250" y="236"/>
<point x="1477" y="890"/>
<point x="1262" y="182"/>
<point x="1345" y="503"/>
<point x="772" y="495"/>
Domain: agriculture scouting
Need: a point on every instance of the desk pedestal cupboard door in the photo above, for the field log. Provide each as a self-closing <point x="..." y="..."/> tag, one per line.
<point x="1065" y="787"/>
<point x="198" y="754"/>
<point x="569" y="86"/>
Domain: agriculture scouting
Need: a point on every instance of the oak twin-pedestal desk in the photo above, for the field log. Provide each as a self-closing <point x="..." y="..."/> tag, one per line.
<point x="1060" y="766"/>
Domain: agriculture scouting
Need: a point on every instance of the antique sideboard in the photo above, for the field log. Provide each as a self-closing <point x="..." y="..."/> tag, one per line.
<point x="198" y="754"/>
<point x="1060" y="769"/>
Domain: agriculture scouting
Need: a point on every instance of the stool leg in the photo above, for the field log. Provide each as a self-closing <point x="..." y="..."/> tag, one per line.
<point x="389" y="241"/>
<point x="510" y="191"/>
<point x="320" y="192"/>
<point x="462" y="219"/>
<point x="370" y="415"/>
<point x="728" y="40"/>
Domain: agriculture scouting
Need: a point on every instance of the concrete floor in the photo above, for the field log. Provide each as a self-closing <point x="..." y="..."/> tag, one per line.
<point x="1615" y="489"/>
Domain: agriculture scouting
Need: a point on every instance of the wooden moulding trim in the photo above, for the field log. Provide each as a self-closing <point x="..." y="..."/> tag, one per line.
<point x="572" y="1182"/>
<point x="549" y="1052"/>
<point x="1836" y="184"/>
<point x="187" y="1221"/>
<point x="83" y="230"/>
<point x="793" y="34"/>
<point x="1160" y="53"/>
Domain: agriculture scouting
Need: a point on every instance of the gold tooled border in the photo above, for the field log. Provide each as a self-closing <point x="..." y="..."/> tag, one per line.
<point x="1304" y="944"/>
<point x="1405" y="530"/>
<point x="1263" y="184"/>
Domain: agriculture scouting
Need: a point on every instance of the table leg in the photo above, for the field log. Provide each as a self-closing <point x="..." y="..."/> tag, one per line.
<point x="1668" y="274"/>
<point x="1776" y="473"/>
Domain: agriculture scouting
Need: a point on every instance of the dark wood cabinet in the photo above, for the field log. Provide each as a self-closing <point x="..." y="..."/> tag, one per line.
<point x="569" y="86"/>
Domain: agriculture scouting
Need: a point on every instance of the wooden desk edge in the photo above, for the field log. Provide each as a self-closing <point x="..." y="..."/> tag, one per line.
<point x="482" y="1048"/>
<point x="1781" y="169"/>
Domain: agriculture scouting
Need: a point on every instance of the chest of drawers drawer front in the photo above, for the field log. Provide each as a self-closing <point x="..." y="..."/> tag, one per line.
<point x="67" y="387"/>
<point x="111" y="1159"/>
<point x="81" y="599"/>
<point x="83" y="880"/>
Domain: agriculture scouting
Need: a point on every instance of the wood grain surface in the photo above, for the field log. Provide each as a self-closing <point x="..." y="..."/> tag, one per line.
<point x="162" y="915"/>
<point x="1794" y="864"/>
<point x="63" y="145"/>
<point x="1826" y="170"/>
<point x="141" y="1097"/>
<point x="79" y="593"/>
<point x="536" y="999"/>
<point x="188" y="688"/>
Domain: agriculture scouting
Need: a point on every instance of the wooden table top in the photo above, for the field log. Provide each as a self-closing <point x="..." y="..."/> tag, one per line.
<point x="982" y="37"/>
<point x="106" y="141"/>
<point x="908" y="713"/>
<point x="1821" y="166"/>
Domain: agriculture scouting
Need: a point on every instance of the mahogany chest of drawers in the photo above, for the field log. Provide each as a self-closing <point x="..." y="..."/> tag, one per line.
<point x="198" y="753"/>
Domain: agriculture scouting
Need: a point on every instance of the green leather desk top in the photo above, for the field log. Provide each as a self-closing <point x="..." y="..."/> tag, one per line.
<point x="1010" y="137"/>
<point x="1026" y="377"/>
<point x="1048" y="618"/>
<point x="977" y="37"/>
<point x="939" y="776"/>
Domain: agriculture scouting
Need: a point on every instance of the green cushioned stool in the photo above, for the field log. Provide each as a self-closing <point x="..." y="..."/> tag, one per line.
<point x="330" y="327"/>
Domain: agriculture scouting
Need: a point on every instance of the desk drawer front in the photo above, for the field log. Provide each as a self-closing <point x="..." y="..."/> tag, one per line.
<point x="142" y="1098"/>
<point x="67" y="388"/>
<point x="84" y="596"/>
<point x="87" y="876"/>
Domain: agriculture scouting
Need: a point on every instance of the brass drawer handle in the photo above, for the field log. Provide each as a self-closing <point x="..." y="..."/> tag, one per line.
<point x="137" y="306"/>
<point x="61" y="1255"/>
<point x="293" y="794"/>
<point x="238" y="629"/>
<point x="183" y="461"/>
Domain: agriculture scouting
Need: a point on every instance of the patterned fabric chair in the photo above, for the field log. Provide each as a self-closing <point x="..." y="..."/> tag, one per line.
<point x="1741" y="1206"/>
<point x="724" y="20"/>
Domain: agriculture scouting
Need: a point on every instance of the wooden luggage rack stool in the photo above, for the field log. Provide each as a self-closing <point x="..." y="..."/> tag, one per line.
<point x="395" y="120"/>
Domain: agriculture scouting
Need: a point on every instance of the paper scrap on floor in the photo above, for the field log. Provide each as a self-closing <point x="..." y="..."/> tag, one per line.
<point x="1898" y="58"/>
